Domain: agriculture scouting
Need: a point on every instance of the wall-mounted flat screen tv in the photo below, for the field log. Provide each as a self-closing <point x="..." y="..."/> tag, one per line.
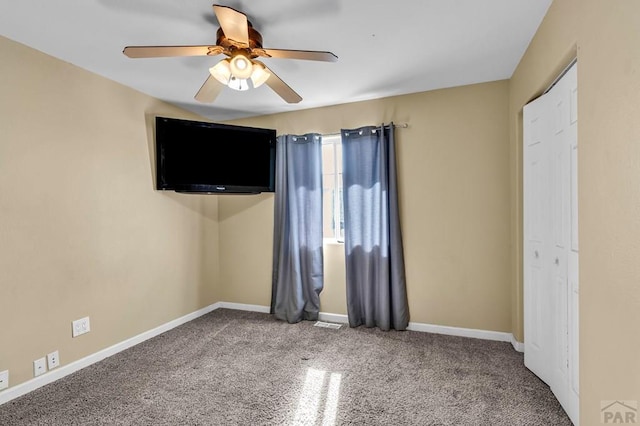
<point x="201" y="157"/>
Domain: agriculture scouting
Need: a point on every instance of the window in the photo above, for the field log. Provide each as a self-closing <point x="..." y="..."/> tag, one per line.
<point x="333" y="211"/>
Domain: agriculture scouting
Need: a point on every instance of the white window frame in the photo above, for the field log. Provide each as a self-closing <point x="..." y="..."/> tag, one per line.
<point x="334" y="139"/>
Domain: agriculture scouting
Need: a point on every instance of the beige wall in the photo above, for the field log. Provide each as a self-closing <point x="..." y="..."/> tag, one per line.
<point x="82" y="230"/>
<point x="607" y="39"/>
<point x="453" y="164"/>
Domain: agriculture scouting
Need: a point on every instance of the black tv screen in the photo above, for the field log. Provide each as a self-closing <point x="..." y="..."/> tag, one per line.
<point x="200" y="157"/>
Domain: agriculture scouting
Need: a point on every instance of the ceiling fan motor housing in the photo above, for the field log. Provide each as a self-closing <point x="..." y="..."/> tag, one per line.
<point x="255" y="40"/>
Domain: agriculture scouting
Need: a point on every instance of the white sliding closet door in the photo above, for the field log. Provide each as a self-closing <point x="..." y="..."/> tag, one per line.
<point x="551" y="240"/>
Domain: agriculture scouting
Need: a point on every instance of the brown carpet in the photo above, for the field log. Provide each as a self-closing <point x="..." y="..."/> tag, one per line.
<point x="245" y="368"/>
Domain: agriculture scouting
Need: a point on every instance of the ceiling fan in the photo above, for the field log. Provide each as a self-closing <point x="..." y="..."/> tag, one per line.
<point x="241" y="43"/>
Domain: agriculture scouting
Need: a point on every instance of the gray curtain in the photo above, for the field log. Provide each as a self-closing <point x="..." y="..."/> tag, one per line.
<point x="297" y="238"/>
<point x="376" y="288"/>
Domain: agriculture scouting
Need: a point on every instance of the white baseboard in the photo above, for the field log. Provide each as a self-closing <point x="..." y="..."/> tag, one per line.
<point x="323" y="316"/>
<point x="245" y="307"/>
<point x="64" y="370"/>
<point x="413" y="326"/>
<point x="337" y="318"/>
<point x="518" y="346"/>
<point x="461" y="332"/>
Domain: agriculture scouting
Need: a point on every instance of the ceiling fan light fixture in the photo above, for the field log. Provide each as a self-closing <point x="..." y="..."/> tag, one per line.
<point x="259" y="74"/>
<point x="221" y="71"/>
<point x="240" y="84"/>
<point x="241" y="66"/>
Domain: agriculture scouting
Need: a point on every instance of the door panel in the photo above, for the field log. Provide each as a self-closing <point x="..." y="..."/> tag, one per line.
<point x="536" y="239"/>
<point x="560" y="189"/>
<point x="536" y="293"/>
<point x="574" y="365"/>
<point x="574" y="194"/>
<point x="561" y="318"/>
<point x="573" y="397"/>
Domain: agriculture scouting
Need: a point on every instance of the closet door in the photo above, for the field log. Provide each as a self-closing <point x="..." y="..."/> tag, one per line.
<point x="551" y="240"/>
<point x="565" y="386"/>
<point x="537" y="288"/>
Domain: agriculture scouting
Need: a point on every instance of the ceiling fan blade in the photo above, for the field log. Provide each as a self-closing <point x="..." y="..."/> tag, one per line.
<point x="233" y="24"/>
<point x="282" y="89"/>
<point x="209" y="90"/>
<point x="165" y="51"/>
<point x="309" y="55"/>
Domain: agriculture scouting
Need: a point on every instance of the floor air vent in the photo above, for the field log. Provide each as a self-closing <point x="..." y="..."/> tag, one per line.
<point x="327" y="325"/>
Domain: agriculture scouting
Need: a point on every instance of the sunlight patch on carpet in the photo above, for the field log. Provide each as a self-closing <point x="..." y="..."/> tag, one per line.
<point x="312" y="391"/>
<point x="331" y="404"/>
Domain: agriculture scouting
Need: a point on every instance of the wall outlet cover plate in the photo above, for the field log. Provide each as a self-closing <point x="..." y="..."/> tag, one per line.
<point x="39" y="366"/>
<point x="4" y="379"/>
<point x="53" y="360"/>
<point x="80" y="326"/>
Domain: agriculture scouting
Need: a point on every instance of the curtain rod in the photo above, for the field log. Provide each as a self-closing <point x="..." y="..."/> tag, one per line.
<point x="395" y="126"/>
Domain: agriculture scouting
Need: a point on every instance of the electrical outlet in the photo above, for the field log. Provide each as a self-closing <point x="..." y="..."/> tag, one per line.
<point x="4" y="379"/>
<point x="80" y="326"/>
<point x="39" y="366"/>
<point x="53" y="360"/>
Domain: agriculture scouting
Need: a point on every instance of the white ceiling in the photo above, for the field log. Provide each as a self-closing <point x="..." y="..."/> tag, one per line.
<point x="385" y="48"/>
